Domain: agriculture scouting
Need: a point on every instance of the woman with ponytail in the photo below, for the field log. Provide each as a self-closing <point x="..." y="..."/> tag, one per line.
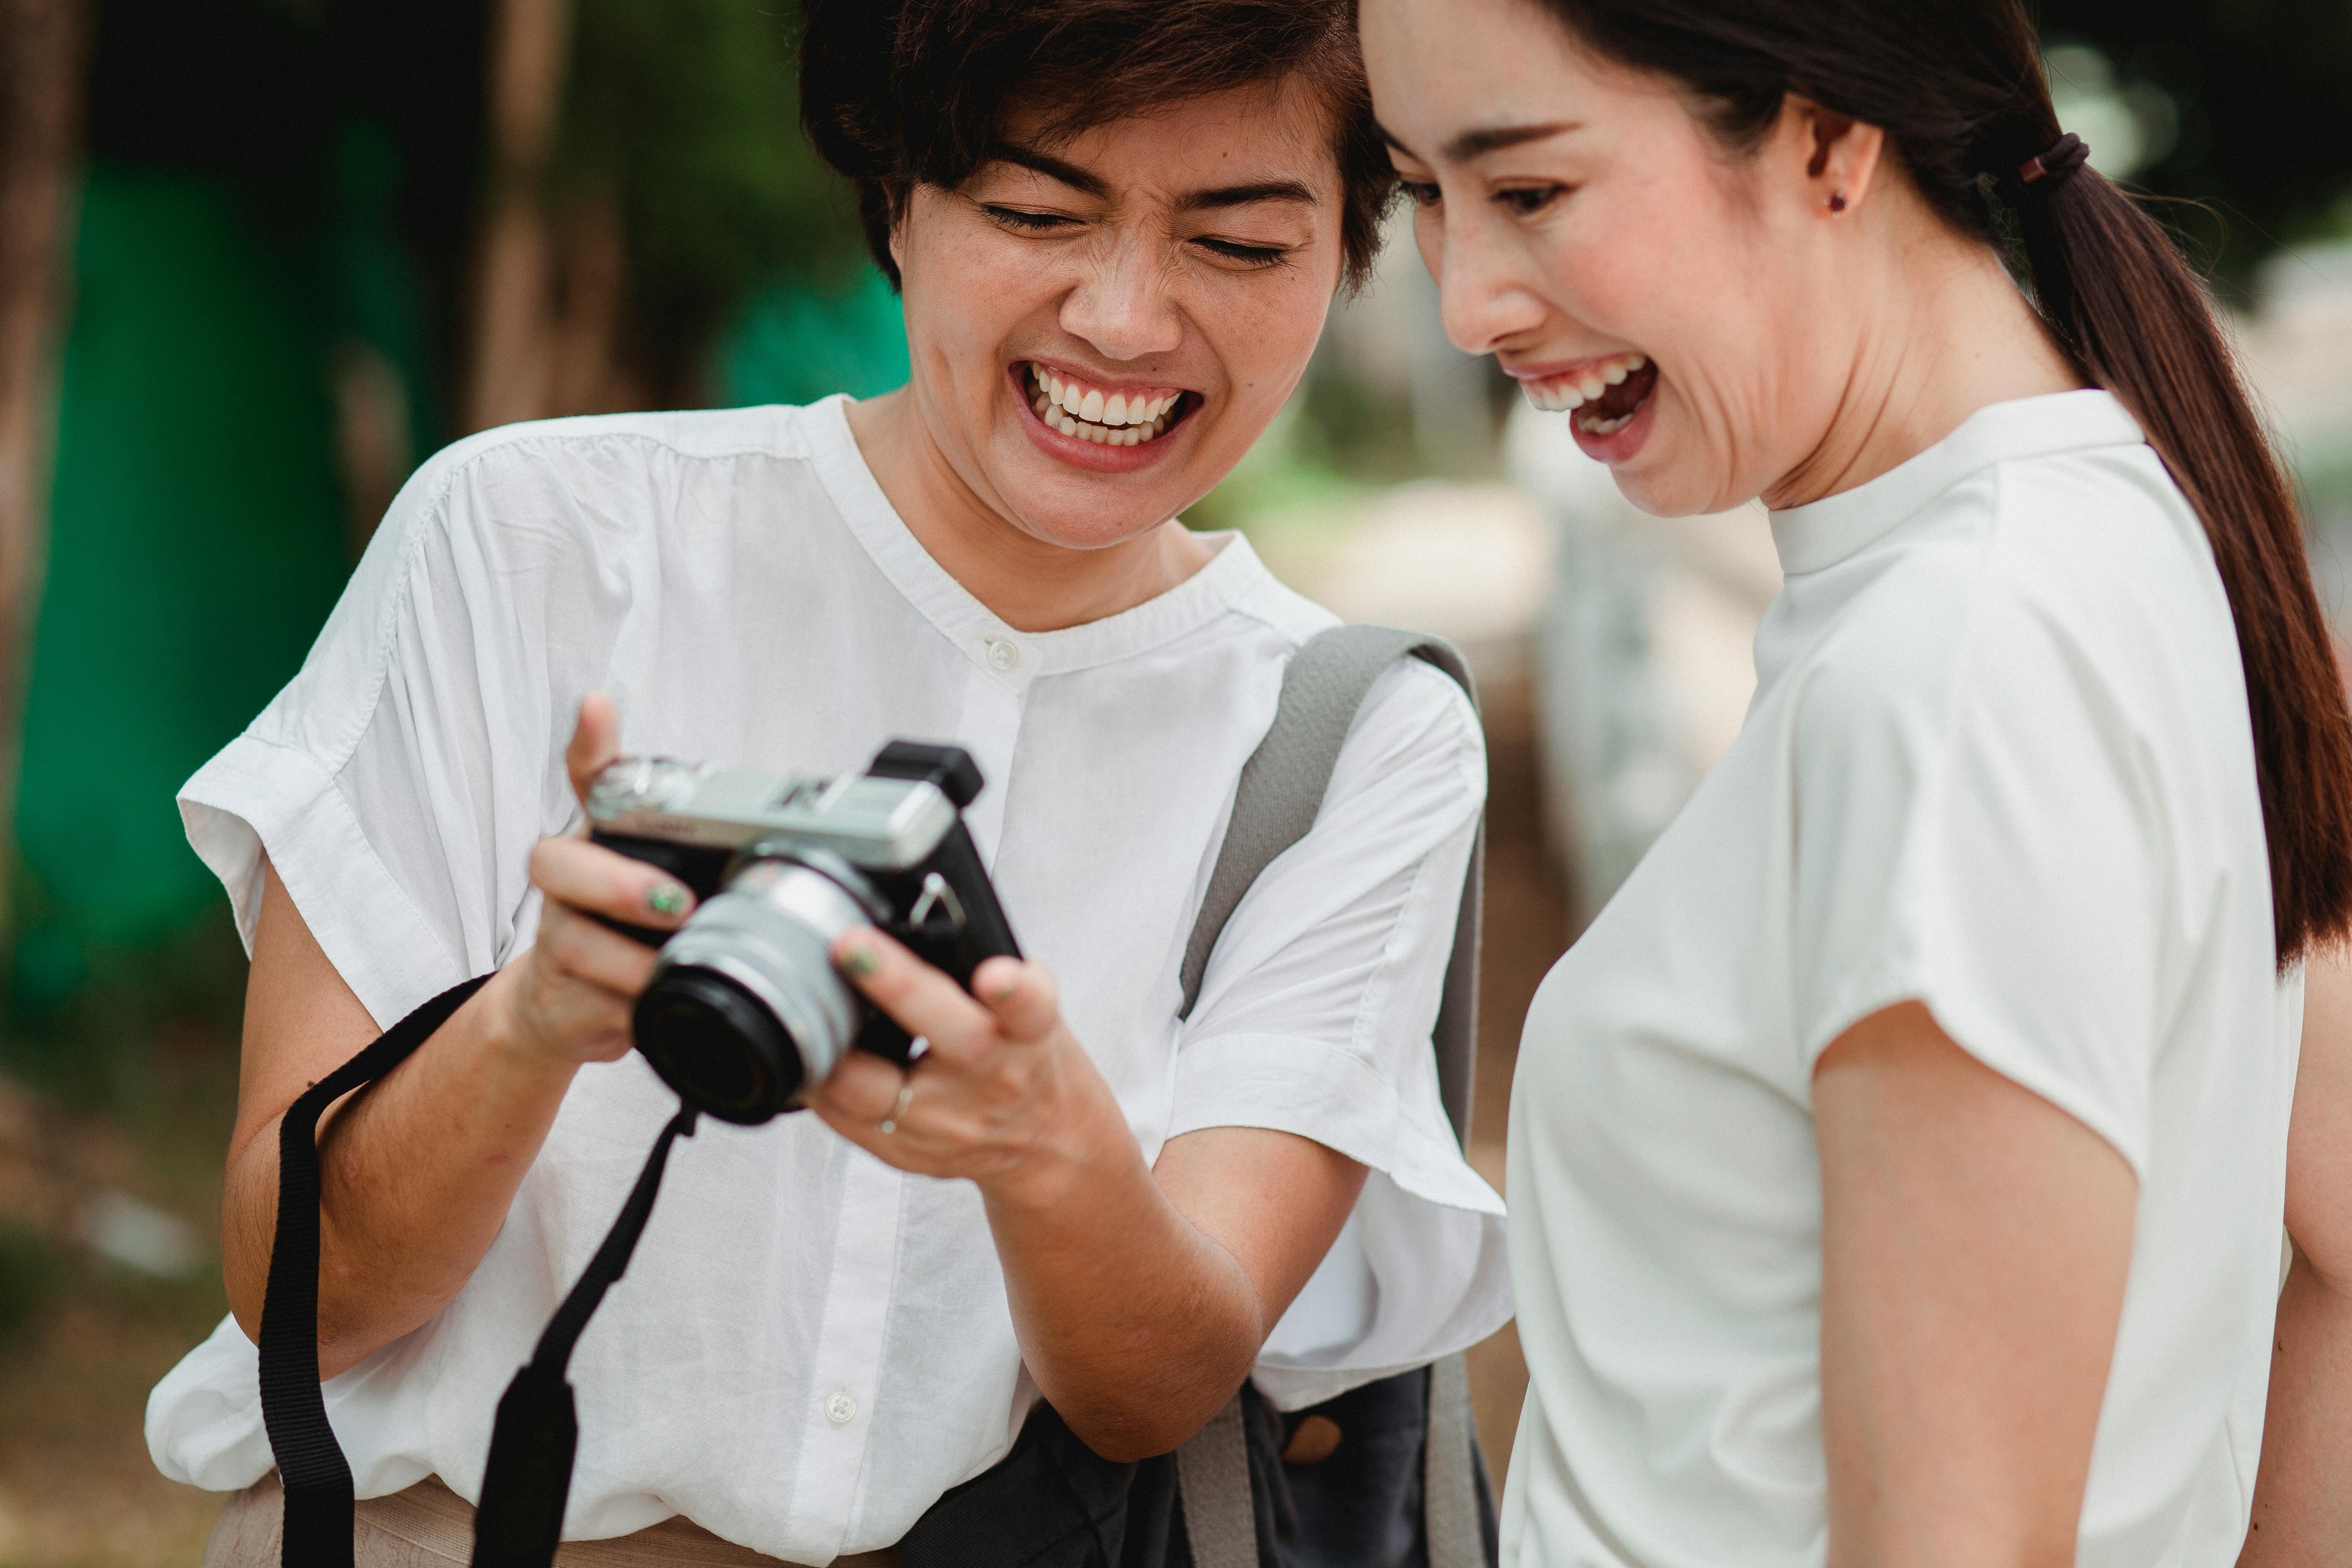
<point x="1898" y="1162"/>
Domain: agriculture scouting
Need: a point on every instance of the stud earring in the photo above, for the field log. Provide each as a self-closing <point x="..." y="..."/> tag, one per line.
<point x="1837" y="202"/>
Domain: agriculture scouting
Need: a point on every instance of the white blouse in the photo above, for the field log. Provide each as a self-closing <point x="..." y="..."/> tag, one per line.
<point x="810" y="1347"/>
<point x="1999" y="760"/>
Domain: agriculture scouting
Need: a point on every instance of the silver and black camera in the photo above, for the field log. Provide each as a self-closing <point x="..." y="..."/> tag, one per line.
<point x="744" y="1009"/>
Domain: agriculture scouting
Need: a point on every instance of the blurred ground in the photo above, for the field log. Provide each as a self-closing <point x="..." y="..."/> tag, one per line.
<point x="83" y="1338"/>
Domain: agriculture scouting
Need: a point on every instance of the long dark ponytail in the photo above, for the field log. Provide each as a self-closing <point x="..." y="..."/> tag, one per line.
<point x="1956" y="86"/>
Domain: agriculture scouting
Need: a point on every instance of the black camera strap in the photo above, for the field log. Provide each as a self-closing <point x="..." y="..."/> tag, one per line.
<point x="529" y="1475"/>
<point x="311" y="1463"/>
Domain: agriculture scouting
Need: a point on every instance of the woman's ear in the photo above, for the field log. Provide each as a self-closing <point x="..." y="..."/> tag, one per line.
<point x="1841" y="153"/>
<point x="899" y="202"/>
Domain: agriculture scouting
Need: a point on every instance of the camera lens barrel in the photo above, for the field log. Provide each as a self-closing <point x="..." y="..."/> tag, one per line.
<point x="744" y="1008"/>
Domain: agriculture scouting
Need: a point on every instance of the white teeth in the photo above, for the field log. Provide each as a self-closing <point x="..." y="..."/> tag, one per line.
<point x="1089" y="414"/>
<point x="1564" y="397"/>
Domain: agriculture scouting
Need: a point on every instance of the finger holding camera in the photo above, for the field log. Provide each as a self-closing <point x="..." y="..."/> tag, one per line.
<point x="1004" y="1093"/>
<point x="570" y="994"/>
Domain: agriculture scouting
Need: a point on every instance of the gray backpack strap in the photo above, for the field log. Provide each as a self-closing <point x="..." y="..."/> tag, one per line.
<point x="1280" y="794"/>
<point x="1212" y="1483"/>
<point x="1449" y="1497"/>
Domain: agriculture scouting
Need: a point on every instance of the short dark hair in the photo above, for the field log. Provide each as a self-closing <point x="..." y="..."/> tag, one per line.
<point x="897" y="93"/>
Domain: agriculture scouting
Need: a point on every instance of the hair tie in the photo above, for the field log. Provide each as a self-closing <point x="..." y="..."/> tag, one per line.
<point x="2064" y="156"/>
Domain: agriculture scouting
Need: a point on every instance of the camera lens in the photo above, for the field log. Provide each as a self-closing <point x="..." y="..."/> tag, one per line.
<point x="745" y="1008"/>
<point x="712" y="1041"/>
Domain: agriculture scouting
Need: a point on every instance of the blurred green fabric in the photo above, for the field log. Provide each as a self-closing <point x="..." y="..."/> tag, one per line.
<point x="797" y="344"/>
<point x="196" y="545"/>
<point x="196" y="533"/>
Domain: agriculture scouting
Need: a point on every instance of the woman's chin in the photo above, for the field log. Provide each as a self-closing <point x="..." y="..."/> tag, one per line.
<point x="1650" y="477"/>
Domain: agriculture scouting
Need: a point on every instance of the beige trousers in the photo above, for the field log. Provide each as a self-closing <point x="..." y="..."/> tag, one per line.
<point x="429" y="1526"/>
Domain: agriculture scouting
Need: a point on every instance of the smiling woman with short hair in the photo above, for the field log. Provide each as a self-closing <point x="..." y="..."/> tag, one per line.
<point x="1118" y="226"/>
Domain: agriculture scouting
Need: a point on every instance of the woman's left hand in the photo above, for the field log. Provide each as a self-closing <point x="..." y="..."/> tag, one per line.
<point x="1003" y="1087"/>
<point x="1141" y="1292"/>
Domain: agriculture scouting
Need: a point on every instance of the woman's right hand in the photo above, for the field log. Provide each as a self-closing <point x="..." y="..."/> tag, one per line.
<point x="566" y="999"/>
<point x="418" y="1170"/>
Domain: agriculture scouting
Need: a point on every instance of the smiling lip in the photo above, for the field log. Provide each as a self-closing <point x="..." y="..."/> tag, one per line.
<point x="1083" y="453"/>
<point x="1564" y="384"/>
<point x="1620" y="444"/>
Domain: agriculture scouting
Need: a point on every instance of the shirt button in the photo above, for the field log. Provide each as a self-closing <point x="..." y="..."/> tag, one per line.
<point x="1002" y="657"/>
<point x="840" y="1407"/>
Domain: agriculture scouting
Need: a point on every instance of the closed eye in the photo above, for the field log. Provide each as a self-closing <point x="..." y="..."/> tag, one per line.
<point x="1027" y="222"/>
<point x="1249" y="254"/>
<point x="1528" y="200"/>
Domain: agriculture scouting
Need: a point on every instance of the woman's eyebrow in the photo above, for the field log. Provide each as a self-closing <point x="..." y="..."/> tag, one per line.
<point x="1472" y="144"/>
<point x="1220" y="196"/>
<point x="1052" y="168"/>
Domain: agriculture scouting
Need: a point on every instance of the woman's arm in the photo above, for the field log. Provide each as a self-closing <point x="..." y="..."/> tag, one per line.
<point x="1141" y="1295"/>
<point x="1974" y="1240"/>
<point x="416" y="1171"/>
<point x="2303" y="1494"/>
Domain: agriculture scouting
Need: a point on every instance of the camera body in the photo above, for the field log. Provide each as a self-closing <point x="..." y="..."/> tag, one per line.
<point x="744" y="1009"/>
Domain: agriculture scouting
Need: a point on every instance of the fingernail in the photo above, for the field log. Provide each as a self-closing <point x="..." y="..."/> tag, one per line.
<point x="666" y="899"/>
<point x="1004" y="992"/>
<point x="860" y="961"/>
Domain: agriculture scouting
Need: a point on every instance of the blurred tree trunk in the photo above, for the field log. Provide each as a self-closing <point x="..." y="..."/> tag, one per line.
<point x="513" y="347"/>
<point x="40" y="92"/>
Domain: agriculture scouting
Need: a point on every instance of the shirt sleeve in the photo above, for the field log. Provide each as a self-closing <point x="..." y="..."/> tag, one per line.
<point x="397" y="784"/>
<point x="1315" y="1018"/>
<point x="1988" y="839"/>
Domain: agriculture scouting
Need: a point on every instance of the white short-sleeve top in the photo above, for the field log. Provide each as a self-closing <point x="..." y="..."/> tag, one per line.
<point x="809" y="1346"/>
<point x="1998" y="762"/>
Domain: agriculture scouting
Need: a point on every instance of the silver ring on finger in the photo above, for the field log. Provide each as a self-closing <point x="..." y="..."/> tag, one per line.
<point x="889" y="1123"/>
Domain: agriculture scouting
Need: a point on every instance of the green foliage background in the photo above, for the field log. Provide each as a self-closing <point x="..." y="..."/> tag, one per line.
<point x="686" y="112"/>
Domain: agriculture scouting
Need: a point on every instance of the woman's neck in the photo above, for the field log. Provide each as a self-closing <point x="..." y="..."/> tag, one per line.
<point x="1943" y="333"/>
<point x="1032" y="585"/>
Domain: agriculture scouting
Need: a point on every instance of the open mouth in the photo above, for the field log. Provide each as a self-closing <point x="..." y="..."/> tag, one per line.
<point x="1108" y="416"/>
<point x="1603" y="396"/>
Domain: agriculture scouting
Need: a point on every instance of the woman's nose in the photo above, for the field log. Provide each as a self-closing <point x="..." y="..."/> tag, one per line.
<point x="1483" y="299"/>
<point x="1122" y="308"/>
